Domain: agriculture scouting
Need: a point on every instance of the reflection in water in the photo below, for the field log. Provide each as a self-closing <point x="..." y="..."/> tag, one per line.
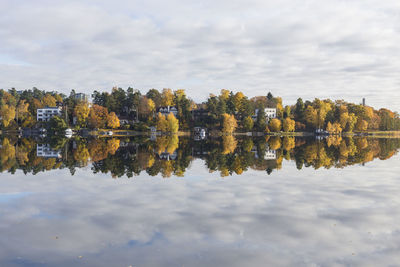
<point x="331" y="217"/>
<point x="170" y="155"/>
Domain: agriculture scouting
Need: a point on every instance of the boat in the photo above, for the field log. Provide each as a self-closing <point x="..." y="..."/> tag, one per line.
<point x="68" y="133"/>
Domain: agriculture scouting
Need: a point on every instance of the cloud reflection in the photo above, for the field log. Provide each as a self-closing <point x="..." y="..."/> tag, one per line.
<point x="323" y="217"/>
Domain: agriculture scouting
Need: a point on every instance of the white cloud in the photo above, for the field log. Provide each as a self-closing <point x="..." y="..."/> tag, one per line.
<point x="336" y="49"/>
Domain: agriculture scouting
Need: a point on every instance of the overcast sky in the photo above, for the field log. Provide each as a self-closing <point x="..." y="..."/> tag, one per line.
<point x="336" y="49"/>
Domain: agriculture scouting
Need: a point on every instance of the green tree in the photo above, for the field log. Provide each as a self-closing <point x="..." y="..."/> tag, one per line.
<point x="248" y="123"/>
<point x="261" y="121"/>
<point x="57" y="125"/>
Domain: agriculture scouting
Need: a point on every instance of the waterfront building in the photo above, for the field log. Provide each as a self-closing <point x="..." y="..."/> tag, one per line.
<point x="270" y="113"/>
<point x="168" y="109"/>
<point x="45" y="114"/>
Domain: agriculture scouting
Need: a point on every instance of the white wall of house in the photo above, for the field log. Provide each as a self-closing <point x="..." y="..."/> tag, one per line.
<point x="45" y="114"/>
<point x="270" y="113"/>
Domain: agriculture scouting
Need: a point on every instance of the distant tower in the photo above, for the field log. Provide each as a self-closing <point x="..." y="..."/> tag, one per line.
<point x="363" y="103"/>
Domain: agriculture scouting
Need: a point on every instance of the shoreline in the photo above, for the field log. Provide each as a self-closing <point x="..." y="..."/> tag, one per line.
<point x="127" y="133"/>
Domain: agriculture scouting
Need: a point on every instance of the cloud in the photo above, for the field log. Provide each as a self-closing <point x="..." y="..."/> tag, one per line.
<point x="339" y="49"/>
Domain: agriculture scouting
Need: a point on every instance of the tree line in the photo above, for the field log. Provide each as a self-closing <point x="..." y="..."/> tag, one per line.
<point x="227" y="112"/>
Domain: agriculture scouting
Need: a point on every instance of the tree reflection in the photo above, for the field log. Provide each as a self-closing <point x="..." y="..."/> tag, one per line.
<point x="171" y="155"/>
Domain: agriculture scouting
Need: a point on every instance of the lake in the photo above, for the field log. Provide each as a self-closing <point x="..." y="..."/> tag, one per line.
<point x="169" y="201"/>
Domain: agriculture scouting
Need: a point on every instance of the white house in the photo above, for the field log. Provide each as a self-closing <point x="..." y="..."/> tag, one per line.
<point x="270" y="113"/>
<point x="45" y="114"/>
<point x="168" y="109"/>
<point x="270" y="154"/>
<point x="45" y="151"/>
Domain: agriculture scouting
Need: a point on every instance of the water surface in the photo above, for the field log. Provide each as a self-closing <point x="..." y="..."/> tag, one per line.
<point x="205" y="203"/>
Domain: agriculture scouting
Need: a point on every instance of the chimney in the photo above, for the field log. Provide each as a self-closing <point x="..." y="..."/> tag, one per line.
<point x="363" y="102"/>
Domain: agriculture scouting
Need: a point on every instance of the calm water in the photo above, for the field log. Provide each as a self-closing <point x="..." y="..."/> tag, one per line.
<point x="179" y="202"/>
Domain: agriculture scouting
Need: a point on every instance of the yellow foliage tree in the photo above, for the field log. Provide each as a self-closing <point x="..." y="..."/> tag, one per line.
<point x="229" y="123"/>
<point x="167" y="97"/>
<point x="29" y="121"/>
<point x="22" y="109"/>
<point x="311" y="116"/>
<point x="179" y="94"/>
<point x="275" y="125"/>
<point x="112" y="120"/>
<point x="362" y="125"/>
<point x="289" y="125"/>
<point x="162" y="124"/>
<point x="173" y="123"/>
<point x="81" y="111"/>
<point x="151" y="105"/>
<point x="344" y="119"/>
<point x="8" y="114"/>
<point x="248" y="123"/>
<point x="237" y="100"/>
<point x="224" y="94"/>
<point x="98" y="116"/>
<point x="49" y="101"/>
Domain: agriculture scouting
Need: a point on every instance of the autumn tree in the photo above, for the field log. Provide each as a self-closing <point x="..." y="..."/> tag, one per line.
<point x="98" y="116"/>
<point x="167" y="97"/>
<point x="311" y="116"/>
<point x="146" y="107"/>
<point x="112" y="120"/>
<point x="362" y="125"/>
<point x="22" y="110"/>
<point x="237" y="101"/>
<point x="229" y="124"/>
<point x="289" y="125"/>
<point x="351" y="122"/>
<point x="8" y="114"/>
<point x="275" y="125"/>
<point x="173" y="123"/>
<point x="334" y="128"/>
<point x="49" y="101"/>
<point x="81" y="112"/>
<point x="162" y="124"/>
<point x="224" y="94"/>
<point x="248" y="123"/>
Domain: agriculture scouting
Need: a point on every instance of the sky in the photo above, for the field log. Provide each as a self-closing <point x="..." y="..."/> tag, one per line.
<point x="327" y="49"/>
